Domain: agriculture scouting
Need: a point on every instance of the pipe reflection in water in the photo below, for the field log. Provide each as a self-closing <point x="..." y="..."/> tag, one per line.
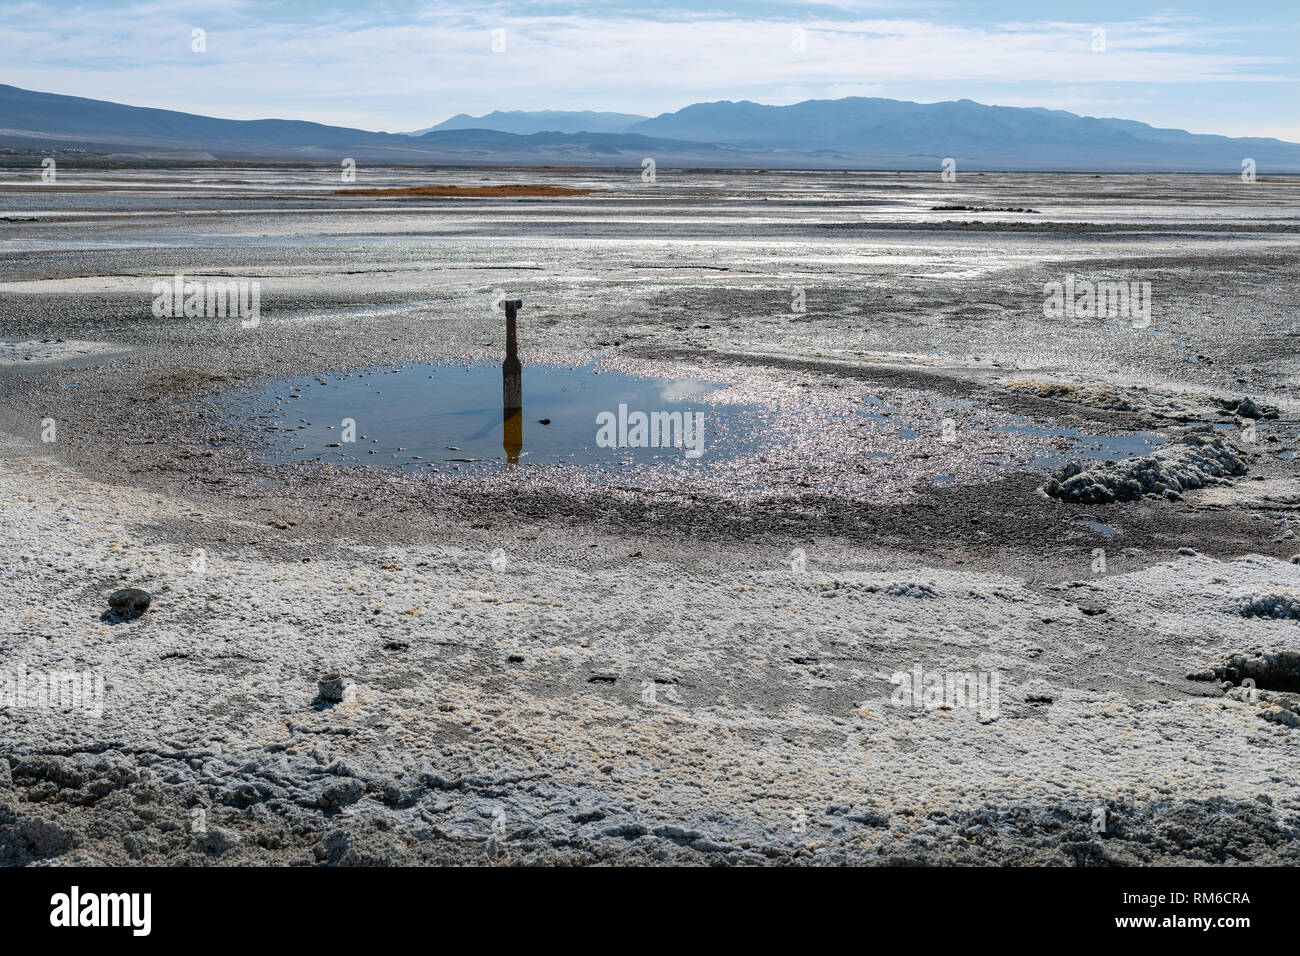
<point x="512" y="388"/>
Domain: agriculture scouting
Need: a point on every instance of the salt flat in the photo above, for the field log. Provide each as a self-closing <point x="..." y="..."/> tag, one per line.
<point x="555" y="663"/>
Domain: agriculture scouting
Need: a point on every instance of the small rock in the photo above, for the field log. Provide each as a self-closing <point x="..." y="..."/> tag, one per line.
<point x="1039" y="692"/>
<point x="215" y="841"/>
<point x="543" y="421"/>
<point x="332" y="687"/>
<point x="130" y="601"/>
<point x="336" y="795"/>
<point x="1248" y="409"/>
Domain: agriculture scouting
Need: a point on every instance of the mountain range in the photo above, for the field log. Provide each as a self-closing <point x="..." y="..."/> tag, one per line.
<point x="854" y="132"/>
<point x="541" y="121"/>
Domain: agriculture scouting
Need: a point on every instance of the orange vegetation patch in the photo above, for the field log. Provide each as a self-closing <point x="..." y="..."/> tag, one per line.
<point x="507" y="190"/>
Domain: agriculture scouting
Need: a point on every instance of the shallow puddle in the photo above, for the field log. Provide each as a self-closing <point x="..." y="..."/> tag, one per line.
<point x="1087" y="447"/>
<point x="474" y="417"/>
<point x="1065" y="443"/>
<point x="1099" y="526"/>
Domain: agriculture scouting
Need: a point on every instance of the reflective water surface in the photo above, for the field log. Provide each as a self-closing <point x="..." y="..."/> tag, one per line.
<point x="439" y="415"/>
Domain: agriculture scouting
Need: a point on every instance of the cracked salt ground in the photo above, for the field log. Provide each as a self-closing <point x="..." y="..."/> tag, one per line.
<point x="771" y="741"/>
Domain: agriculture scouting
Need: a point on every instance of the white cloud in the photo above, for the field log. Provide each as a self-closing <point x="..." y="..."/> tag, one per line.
<point x="371" y="70"/>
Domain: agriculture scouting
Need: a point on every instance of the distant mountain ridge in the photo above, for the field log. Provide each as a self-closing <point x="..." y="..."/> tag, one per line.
<point x="961" y="128"/>
<point x="541" y="121"/>
<point x="849" y="133"/>
<point x="55" y="116"/>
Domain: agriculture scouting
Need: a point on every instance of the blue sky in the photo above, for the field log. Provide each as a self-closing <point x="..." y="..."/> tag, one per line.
<point x="1226" y="68"/>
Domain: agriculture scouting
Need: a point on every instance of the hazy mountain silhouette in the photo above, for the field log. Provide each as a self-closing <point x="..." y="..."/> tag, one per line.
<point x="52" y="116"/>
<point x="855" y="132"/>
<point x="541" y="121"/>
<point x="1001" y="135"/>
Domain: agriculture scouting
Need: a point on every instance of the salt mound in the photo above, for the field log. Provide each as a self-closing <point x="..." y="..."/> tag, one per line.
<point x="908" y="589"/>
<point x="1271" y="668"/>
<point x="1278" y="604"/>
<point x="1246" y="407"/>
<point x="1194" y="459"/>
<point x="1071" y="392"/>
<point x="914" y="589"/>
<point x="1279" y="708"/>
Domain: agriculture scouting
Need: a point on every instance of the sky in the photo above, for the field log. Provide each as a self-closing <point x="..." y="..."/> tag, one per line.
<point x="1208" y="67"/>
